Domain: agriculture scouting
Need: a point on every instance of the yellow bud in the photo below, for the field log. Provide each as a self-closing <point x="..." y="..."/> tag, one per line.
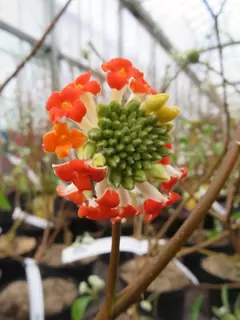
<point x="99" y="160"/>
<point x="167" y="113"/>
<point x="155" y="102"/>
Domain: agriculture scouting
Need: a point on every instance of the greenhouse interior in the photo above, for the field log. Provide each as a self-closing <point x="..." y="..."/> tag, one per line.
<point x="119" y="160"/>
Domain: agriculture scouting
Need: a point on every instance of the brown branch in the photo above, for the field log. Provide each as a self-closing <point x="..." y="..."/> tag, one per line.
<point x="112" y="273"/>
<point x="36" y="47"/>
<point x="224" y="45"/>
<point x="134" y="290"/>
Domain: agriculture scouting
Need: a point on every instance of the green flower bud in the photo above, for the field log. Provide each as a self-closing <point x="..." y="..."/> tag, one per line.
<point x="146" y="164"/>
<point x="112" y="142"/>
<point x="136" y="156"/>
<point x="159" y="130"/>
<point x="109" y="151"/>
<point x="103" y="110"/>
<point x="104" y="123"/>
<point x="141" y="113"/>
<point x="151" y="119"/>
<point x="116" y="125"/>
<point x="128" y="183"/>
<point x="137" y="165"/>
<point x="136" y="142"/>
<point x="146" y="156"/>
<point x="94" y="134"/>
<point x="125" y="140"/>
<point x="147" y="142"/>
<point x="168" y="126"/>
<point x="133" y="105"/>
<point x="134" y="134"/>
<point x="131" y="122"/>
<point x="125" y="130"/>
<point x="152" y="136"/>
<point x="152" y="148"/>
<point x="113" y="116"/>
<point x="116" y="158"/>
<point x="132" y="115"/>
<point x="156" y="156"/>
<point x="159" y="143"/>
<point x="111" y="162"/>
<point x="128" y="171"/>
<point x="136" y="127"/>
<point x="139" y="176"/>
<point x="142" y="148"/>
<point x="115" y="107"/>
<point x="115" y="178"/>
<point x="165" y="138"/>
<point x="107" y="133"/>
<point x="143" y="133"/>
<point x="122" y="164"/>
<point x="130" y="148"/>
<point x="120" y="147"/>
<point x="89" y="149"/>
<point x="123" y="117"/>
<point x="130" y="160"/>
<point x="102" y="144"/>
<point x="117" y="134"/>
<point x="123" y="155"/>
<point x="164" y="152"/>
<point x="148" y="129"/>
<point x="157" y="171"/>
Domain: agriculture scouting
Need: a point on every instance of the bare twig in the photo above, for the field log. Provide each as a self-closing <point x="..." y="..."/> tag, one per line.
<point x="223" y="45"/>
<point x="36" y="47"/>
<point x="94" y="49"/>
<point x="133" y="292"/>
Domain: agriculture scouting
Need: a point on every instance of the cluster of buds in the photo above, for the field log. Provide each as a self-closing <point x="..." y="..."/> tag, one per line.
<point x="121" y="149"/>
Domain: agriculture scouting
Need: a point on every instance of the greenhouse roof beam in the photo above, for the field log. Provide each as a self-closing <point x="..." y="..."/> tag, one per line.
<point x="146" y="20"/>
<point x="46" y="48"/>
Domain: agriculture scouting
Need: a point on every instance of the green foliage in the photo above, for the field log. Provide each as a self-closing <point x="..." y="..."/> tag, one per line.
<point x="194" y="314"/>
<point x="4" y="203"/>
<point x="224" y="312"/>
<point x="79" y="307"/>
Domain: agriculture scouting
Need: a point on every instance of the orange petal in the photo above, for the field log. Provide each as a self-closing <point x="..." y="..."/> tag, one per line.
<point x="92" y="87"/>
<point x="54" y="100"/>
<point x="78" y="138"/>
<point x="55" y="114"/>
<point x="109" y="199"/>
<point x="77" y="112"/>
<point x="61" y="128"/>
<point x="70" y="94"/>
<point x="83" y="79"/>
<point x="49" y="142"/>
<point x="116" y="81"/>
<point x="116" y="64"/>
<point x="63" y="151"/>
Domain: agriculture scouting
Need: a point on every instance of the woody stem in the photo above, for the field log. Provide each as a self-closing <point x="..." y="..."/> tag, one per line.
<point x="112" y="272"/>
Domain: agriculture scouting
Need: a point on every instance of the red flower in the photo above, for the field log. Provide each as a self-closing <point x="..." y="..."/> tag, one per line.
<point x="140" y="86"/>
<point x="97" y="213"/>
<point x="166" y="186"/>
<point x="79" y="173"/>
<point x="119" y="72"/>
<point x="166" y="160"/>
<point x="84" y="85"/>
<point x="71" y="193"/>
<point x="62" y="139"/>
<point x="66" y="103"/>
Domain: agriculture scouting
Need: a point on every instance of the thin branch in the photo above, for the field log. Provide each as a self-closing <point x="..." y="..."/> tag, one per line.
<point x="36" y="47"/>
<point x="223" y="45"/>
<point x="133" y="292"/>
<point x="112" y="273"/>
<point x="165" y="86"/>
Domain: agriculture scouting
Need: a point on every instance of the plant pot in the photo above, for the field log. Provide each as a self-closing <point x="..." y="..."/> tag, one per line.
<point x="214" y="295"/>
<point x="168" y="294"/>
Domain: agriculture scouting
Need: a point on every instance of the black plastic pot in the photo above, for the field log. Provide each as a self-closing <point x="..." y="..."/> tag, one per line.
<point x="214" y="295"/>
<point x="169" y="306"/>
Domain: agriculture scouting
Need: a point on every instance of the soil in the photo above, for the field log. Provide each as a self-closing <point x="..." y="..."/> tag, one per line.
<point x="58" y="294"/>
<point x="223" y="266"/>
<point x="22" y="245"/>
<point x="200" y="235"/>
<point x="53" y="257"/>
<point x="171" y="278"/>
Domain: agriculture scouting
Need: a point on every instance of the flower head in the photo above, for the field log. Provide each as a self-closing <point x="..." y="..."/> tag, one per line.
<point x="62" y="139"/>
<point x="66" y="103"/>
<point x="124" y="150"/>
